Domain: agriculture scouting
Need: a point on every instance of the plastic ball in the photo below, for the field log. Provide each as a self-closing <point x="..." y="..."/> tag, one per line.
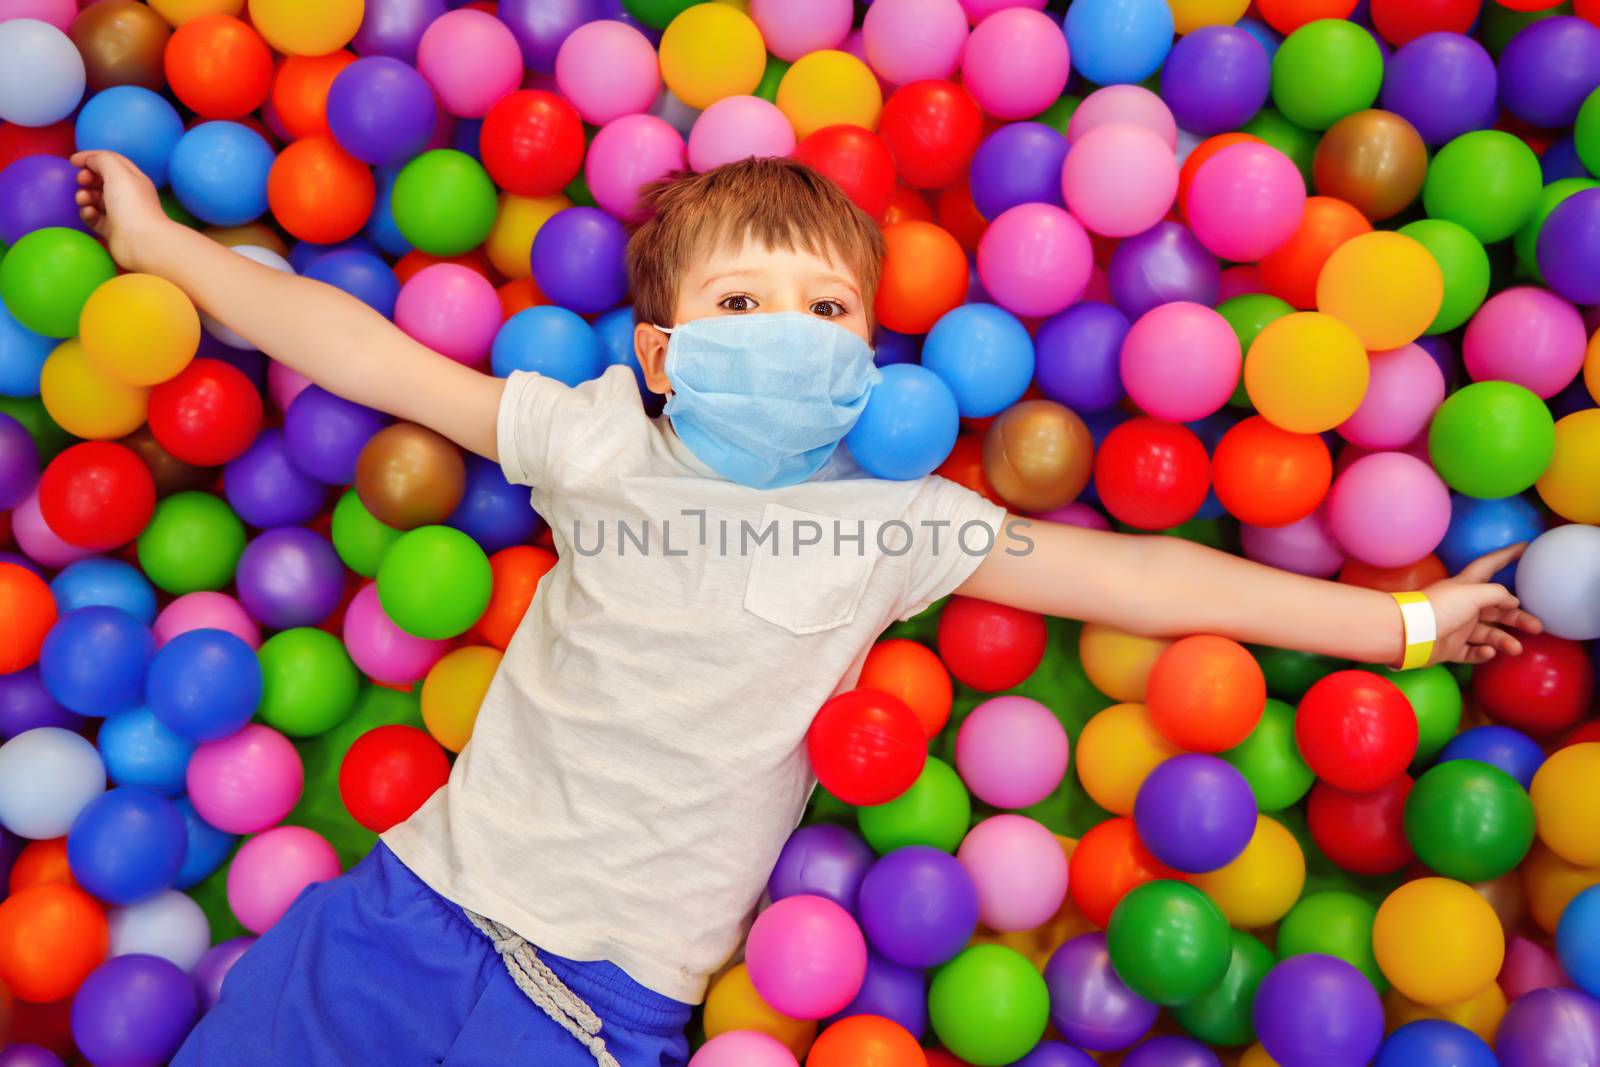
<point x="126" y="844"/>
<point x="984" y="355"/>
<point x="1245" y="201"/>
<point x="247" y="781"/>
<point x="153" y="990"/>
<point x="382" y="650"/>
<point x="1195" y="813"/>
<point x="919" y="906"/>
<point x="1386" y="287"/>
<point x="170" y="926"/>
<point x="1164" y="264"/>
<point x="1270" y="477"/>
<point x="139" y="329"/>
<point x="854" y="159"/>
<point x="910" y="40"/>
<point x="931" y="128"/>
<point x="866" y="747"/>
<point x="450" y="309"/>
<point x="1333" y="923"/>
<point x="1117" y="41"/>
<point x="1552" y="578"/>
<point x="193" y="542"/>
<point x="110" y="582"/>
<point x="380" y="110"/>
<point x="1564" y="487"/>
<point x="1216" y="78"/>
<point x="826" y="88"/>
<point x="51" y="938"/>
<point x="300" y="91"/>
<point x="1437" y="940"/>
<point x="1089" y="1004"/>
<point x="85" y="402"/>
<point x="732" y="1004"/>
<point x="1205" y="694"/>
<point x="1018" y="163"/>
<point x="578" y="260"/>
<point x="97" y="495"/>
<point x="1469" y="821"/>
<point x="408" y="476"/>
<point x="1126" y="105"/>
<point x="1117" y="750"/>
<point x="1487" y="181"/>
<point x="1389" y="509"/>
<point x="50" y="775"/>
<point x="988" y="1005"/>
<point x="36" y="192"/>
<point x="1117" y="663"/>
<point x="1291" y="272"/>
<point x="1180" y="390"/>
<point x="822" y="860"/>
<point x="388" y="773"/>
<point x="936" y="811"/>
<point x="1019" y="869"/>
<point x="1544" y="691"/>
<point x="205" y="684"/>
<point x="1491" y="439"/>
<point x="1168" y="942"/>
<point x="743" y="1048"/>
<point x="807" y="957"/>
<point x="1326" y="70"/>
<point x="94" y="660"/>
<point x="471" y="59"/>
<point x="607" y="69"/>
<point x="1011" y="751"/>
<point x="48" y="276"/>
<point x="989" y="647"/>
<point x="738" y="127"/>
<point x="627" y="154"/>
<point x="453" y="691"/>
<point x="909" y="425"/>
<point x="139" y="751"/>
<point x="709" y="53"/>
<point x="1512" y="751"/>
<point x="220" y="173"/>
<point x="44" y="73"/>
<point x="1139" y="202"/>
<point x="1035" y="259"/>
<point x="1152" y="474"/>
<point x="271" y="869"/>
<point x="1562" y="790"/>
<point x="1356" y="731"/>
<point x="444" y="202"/>
<point x="1315" y="1007"/>
<point x="532" y="143"/>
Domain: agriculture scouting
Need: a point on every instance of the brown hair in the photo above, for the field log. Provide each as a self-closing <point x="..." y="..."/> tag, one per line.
<point x="779" y="202"/>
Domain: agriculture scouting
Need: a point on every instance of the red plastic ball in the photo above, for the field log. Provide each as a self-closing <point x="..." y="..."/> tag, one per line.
<point x="1286" y="16"/>
<point x="1109" y="861"/>
<point x="57" y="139"/>
<point x="1544" y="691"/>
<point x="866" y="1041"/>
<point x="207" y="415"/>
<point x="987" y="646"/>
<point x="856" y="160"/>
<point x="218" y="67"/>
<point x="1267" y="476"/>
<point x="905" y="203"/>
<point x="931" y="128"/>
<point x="1363" y="833"/>
<point x="27" y="611"/>
<point x="319" y="192"/>
<point x="956" y="212"/>
<point x="1152" y="474"/>
<point x="388" y="773"/>
<point x="866" y="747"/>
<point x="1356" y="730"/>
<point x="97" y="495"/>
<point x="1589" y="731"/>
<point x="1400" y="21"/>
<point x="300" y="91"/>
<point x="532" y="143"/>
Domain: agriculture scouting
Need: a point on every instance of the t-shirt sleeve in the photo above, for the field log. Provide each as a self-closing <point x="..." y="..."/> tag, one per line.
<point x="952" y="530"/>
<point x="541" y="420"/>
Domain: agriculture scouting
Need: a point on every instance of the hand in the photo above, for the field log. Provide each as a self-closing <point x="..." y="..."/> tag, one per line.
<point x="1471" y="611"/>
<point x="120" y="204"/>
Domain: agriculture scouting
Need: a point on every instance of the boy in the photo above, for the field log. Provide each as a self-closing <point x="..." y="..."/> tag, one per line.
<point x="639" y="760"/>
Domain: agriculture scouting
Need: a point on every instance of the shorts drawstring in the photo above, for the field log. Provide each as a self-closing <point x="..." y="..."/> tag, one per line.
<point x="547" y="991"/>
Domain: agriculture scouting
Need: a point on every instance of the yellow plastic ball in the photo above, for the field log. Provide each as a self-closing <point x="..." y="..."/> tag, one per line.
<point x="307" y="27"/>
<point x="711" y="51"/>
<point x="453" y="691"/>
<point x="515" y="226"/>
<point x="828" y="88"/>
<point x="255" y="234"/>
<point x="1118" y="663"/>
<point x="1191" y="15"/>
<point x="1263" y="882"/>
<point x="1479" y="1013"/>
<point x="1385" y="286"/>
<point x="1591" y="367"/>
<point x="1117" y="750"/>
<point x="1437" y="941"/>
<point x="177" y="12"/>
<point x="1306" y="372"/>
<point x="1256" y="1056"/>
<point x="139" y="329"/>
<point x="733" y="1004"/>
<point x="85" y="401"/>
<point x="1566" y="799"/>
<point x="1569" y="485"/>
<point x="1551" y="883"/>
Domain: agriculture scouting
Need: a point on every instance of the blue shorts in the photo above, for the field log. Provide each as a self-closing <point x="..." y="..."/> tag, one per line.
<point x="375" y="967"/>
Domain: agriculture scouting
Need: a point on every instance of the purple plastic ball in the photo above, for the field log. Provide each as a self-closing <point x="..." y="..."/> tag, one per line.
<point x="1569" y="247"/>
<point x="1316" y="1009"/>
<point x="1017" y="164"/>
<point x="19" y="462"/>
<point x="540" y="26"/>
<point x="325" y="433"/>
<point x="1195" y="813"/>
<point x="918" y="906"/>
<point x="10" y="846"/>
<point x="36" y="192"/>
<point x="1548" y="69"/>
<point x="214" y="967"/>
<point x="290" y="576"/>
<point x="25" y="705"/>
<point x="1549" y="1028"/>
<point x="1215" y="79"/>
<point x="133" y="1011"/>
<point x="381" y="110"/>
<point x="577" y="260"/>
<point x="1088" y="1002"/>
<point x="28" y="1056"/>
<point x="1055" y="1054"/>
<point x="1444" y="84"/>
<point x="493" y="512"/>
<point x="894" y="992"/>
<point x="395" y="27"/>
<point x="266" y="489"/>
<point x="1171" y="1051"/>
<point x="1077" y="356"/>
<point x="823" y="861"/>
<point x="1165" y="263"/>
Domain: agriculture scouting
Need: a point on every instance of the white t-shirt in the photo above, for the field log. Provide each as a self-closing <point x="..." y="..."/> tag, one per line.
<point x="640" y="758"/>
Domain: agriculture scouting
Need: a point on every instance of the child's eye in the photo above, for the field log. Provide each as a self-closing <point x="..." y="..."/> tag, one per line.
<point x="737" y="302"/>
<point x="828" y="309"/>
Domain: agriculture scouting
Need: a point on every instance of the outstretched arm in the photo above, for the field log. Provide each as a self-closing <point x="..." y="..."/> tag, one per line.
<point x="1166" y="587"/>
<point x="325" y="334"/>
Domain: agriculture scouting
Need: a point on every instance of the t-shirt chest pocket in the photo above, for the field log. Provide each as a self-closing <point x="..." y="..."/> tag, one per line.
<point x="808" y="571"/>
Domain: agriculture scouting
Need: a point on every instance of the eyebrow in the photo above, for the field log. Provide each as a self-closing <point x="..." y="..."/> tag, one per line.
<point x="839" y="278"/>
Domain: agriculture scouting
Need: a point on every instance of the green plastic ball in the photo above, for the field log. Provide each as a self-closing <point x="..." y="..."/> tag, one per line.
<point x="1469" y="821"/>
<point x="1491" y="439"/>
<point x="1058" y="116"/>
<point x="47" y="434"/>
<point x="309" y="682"/>
<point x="1326" y="70"/>
<point x="434" y="582"/>
<point x="1487" y="181"/>
<point x="193" y="542"/>
<point x="1168" y="942"/>
<point x="444" y="202"/>
<point x="48" y="275"/>
<point x="936" y="811"/>
<point x="1296" y="142"/>
<point x="657" y="13"/>
<point x="1463" y="263"/>
<point x="1586" y="133"/>
<point x="1270" y="760"/>
<point x="360" y="539"/>
<point x="1222" y="1016"/>
<point x="1289" y="674"/>
<point x="1249" y="314"/>
<point x="989" y="1005"/>
<point x="1526" y="242"/>
<point x="1435" y="696"/>
<point x="767" y="88"/>
<point x="1333" y="923"/>
<point x="1499" y="24"/>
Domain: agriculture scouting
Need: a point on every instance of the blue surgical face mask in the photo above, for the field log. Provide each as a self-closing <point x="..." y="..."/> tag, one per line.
<point x="764" y="400"/>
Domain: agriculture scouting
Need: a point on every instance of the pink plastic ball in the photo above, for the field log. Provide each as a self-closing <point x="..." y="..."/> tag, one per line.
<point x="1016" y="63"/>
<point x="58" y="13"/>
<point x="1529" y="966"/>
<point x="1133" y="105"/>
<point x="452" y="309"/>
<point x="1305" y="547"/>
<point x="206" y="610"/>
<point x="284" y="384"/>
<point x="608" y="69"/>
<point x="269" y="871"/>
<point x="1246" y="201"/>
<point x="382" y="650"/>
<point x="909" y="40"/>
<point x="628" y="154"/>
<point x="978" y="10"/>
<point x="791" y="30"/>
<point x="247" y="781"/>
<point x="1405" y="388"/>
<point x="1076" y="513"/>
<point x="1528" y="336"/>
<point x="1180" y="361"/>
<point x="471" y="59"/>
<point x="743" y="1048"/>
<point x="855" y="44"/>
<point x="738" y="127"/>
<point x="1034" y="259"/>
<point x="1388" y="509"/>
<point x="1011" y="751"/>
<point x="1119" y="179"/>
<point x="1019" y="868"/>
<point x="37" y="541"/>
<point x="807" y="956"/>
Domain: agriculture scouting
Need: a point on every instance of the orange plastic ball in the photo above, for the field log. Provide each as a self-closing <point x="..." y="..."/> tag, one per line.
<point x="906" y="204"/>
<point x="1109" y="861"/>
<point x="519" y="294"/>
<point x="1202" y="152"/>
<point x="964" y="466"/>
<point x="41" y="863"/>
<point x="516" y="572"/>
<point x="1291" y="272"/>
<point x="300" y="91"/>
<point x="1286" y="16"/>
<point x="218" y="67"/>
<point x="924" y="276"/>
<point x="1206" y="693"/>
<point x="319" y="192"/>
<point x="51" y="937"/>
<point x="914" y="673"/>
<point x="1412" y="576"/>
<point x="1267" y="476"/>
<point x="27" y="611"/>
<point x="866" y="1041"/>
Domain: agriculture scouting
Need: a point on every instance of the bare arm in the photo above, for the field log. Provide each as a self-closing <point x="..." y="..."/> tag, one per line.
<point x="325" y="334"/>
<point x="1166" y="587"/>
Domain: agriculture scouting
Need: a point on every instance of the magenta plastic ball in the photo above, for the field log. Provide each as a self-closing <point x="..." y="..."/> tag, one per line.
<point x="205" y="610"/>
<point x="34" y="536"/>
<point x="1246" y="201"/>
<point x="1305" y="547"/>
<point x="608" y="69"/>
<point x="1016" y="62"/>
<point x="1180" y="361"/>
<point x="1404" y="389"/>
<point x="1077" y="513"/>
<point x="909" y="40"/>
<point x="452" y="309"/>
<point x="290" y="576"/>
<point x="738" y="127"/>
<point x="1132" y="105"/>
<point x="742" y="1048"/>
<point x="471" y="59"/>
<point x="1088" y="1002"/>
<point x="1529" y="966"/>
<point x="791" y="30"/>
<point x="246" y="782"/>
<point x="1011" y="751"/>
<point x="1526" y="335"/>
<point x="382" y="650"/>
<point x="1119" y="179"/>
<point x="214" y="967"/>
<point x="1020" y="871"/>
<point x="1388" y="509"/>
<point x="807" y="957"/>
<point x="627" y="154"/>
<point x="271" y="869"/>
<point x="1034" y="259"/>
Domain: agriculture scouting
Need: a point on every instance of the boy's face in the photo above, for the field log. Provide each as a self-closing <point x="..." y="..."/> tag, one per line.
<point x="752" y="278"/>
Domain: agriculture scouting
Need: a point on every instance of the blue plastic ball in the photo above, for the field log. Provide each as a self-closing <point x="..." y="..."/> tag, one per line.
<point x="94" y="660"/>
<point x="889" y="348"/>
<point x="1118" y="41"/>
<point x="614" y="330"/>
<point x="127" y="844"/>
<point x="909" y="425"/>
<point x="1512" y="751"/>
<point x="985" y="356"/>
<point x="1478" y="527"/>
<point x="363" y="275"/>
<point x="551" y="340"/>
<point x="1434" y="1043"/>
<point x="1578" y="940"/>
<point x="108" y="582"/>
<point x="205" y="684"/>
<point x="219" y="172"/>
<point x="134" y="121"/>
<point x="206" y="847"/>
<point x="493" y="512"/>
<point x="139" y="750"/>
<point x="22" y="356"/>
<point x="381" y="229"/>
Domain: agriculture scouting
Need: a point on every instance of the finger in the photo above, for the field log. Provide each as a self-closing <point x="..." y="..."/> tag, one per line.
<point x="1480" y="569"/>
<point x="1514" y="618"/>
<point x="1493" y="595"/>
<point x="1505" y="643"/>
<point x="1478" y="654"/>
<point x="1482" y="634"/>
